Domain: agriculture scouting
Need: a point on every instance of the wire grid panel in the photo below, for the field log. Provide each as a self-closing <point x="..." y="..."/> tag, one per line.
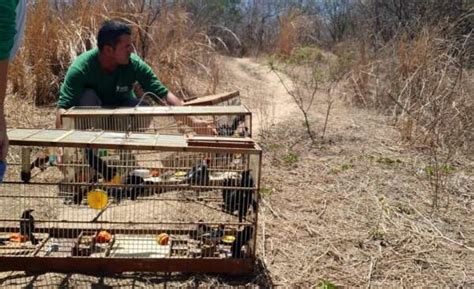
<point x="176" y="199"/>
<point x="221" y="120"/>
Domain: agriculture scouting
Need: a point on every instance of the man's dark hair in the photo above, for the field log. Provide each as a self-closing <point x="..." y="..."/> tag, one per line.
<point x="110" y="32"/>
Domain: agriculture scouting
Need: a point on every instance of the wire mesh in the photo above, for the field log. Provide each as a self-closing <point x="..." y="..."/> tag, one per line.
<point x="230" y="121"/>
<point x="93" y="198"/>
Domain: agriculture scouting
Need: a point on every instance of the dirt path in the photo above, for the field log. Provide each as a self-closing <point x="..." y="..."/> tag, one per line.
<point x="354" y="208"/>
<point x="261" y="91"/>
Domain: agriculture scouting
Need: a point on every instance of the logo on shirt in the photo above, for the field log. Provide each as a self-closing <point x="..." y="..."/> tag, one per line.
<point x="121" y="89"/>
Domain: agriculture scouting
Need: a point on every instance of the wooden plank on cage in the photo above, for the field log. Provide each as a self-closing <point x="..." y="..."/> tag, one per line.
<point x="213" y="99"/>
<point x="94" y="265"/>
<point x="122" y="140"/>
<point x="22" y="134"/>
<point x="204" y="141"/>
<point x="155" y="111"/>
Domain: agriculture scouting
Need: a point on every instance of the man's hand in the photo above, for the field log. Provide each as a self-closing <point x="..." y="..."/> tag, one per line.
<point x="202" y="127"/>
<point x="172" y="99"/>
<point x="137" y="89"/>
<point x="199" y="126"/>
<point x="59" y="112"/>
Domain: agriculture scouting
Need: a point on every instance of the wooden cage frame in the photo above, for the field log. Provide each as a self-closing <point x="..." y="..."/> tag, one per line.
<point x="96" y="139"/>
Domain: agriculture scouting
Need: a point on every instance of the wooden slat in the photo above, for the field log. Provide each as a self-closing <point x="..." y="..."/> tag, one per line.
<point x="94" y="265"/>
<point x="218" y="139"/>
<point x="22" y="134"/>
<point x="136" y="141"/>
<point x="213" y="99"/>
<point x="156" y="111"/>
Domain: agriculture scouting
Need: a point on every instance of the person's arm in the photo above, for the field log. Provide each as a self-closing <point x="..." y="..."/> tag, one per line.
<point x="7" y="36"/>
<point x="3" y="124"/>
<point x="71" y="89"/>
<point x="150" y="83"/>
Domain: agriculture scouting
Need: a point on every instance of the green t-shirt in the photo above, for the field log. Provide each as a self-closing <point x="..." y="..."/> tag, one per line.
<point x="7" y="26"/>
<point x="112" y="88"/>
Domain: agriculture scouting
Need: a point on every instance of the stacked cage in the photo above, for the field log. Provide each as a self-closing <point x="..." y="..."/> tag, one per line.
<point x="174" y="203"/>
<point x="227" y="121"/>
<point x="132" y="189"/>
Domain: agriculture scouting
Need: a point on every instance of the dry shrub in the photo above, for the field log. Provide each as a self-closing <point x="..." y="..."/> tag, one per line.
<point x="184" y="55"/>
<point x="422" y="81"/>
<point x="429" y="86"/>
<point x="179" y="51"/>
<point x="295" y="30"/>
<point x="359" y="77"/>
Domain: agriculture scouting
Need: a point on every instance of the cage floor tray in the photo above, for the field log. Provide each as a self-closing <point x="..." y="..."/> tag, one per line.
<point x="138" y="246"/>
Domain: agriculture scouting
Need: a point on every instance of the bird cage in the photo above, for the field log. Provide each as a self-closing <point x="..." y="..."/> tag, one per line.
<point x="235" y="120"/>
<point x="193" y="212"/>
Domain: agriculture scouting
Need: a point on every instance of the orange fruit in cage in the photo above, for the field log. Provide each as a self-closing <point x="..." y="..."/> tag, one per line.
<point x="18" y="238"/>
<point x="103" y="237"/>
<point x="163" y="239"/>
<point x="155" y="173"/>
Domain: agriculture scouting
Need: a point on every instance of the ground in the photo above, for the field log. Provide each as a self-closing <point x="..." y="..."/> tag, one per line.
<point x="353" y="209"/>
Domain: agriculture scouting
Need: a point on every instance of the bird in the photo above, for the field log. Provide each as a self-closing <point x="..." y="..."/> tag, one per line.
<point x="198" y="175"/>
<point x="229" y="196"/>
<point x="210" y="233"/>
<point x="245" y="132"/>
<point x="136" y="187"/>
<point x="41" y="161"/>
<point x="238" y="199"/>
<point x="116" y="193"/>
<point x="229" y="130"/>
<point x="242" y="238"/>
<point x="100" y="166"/>
<point x="27" y="226"/>
<point x="245" y="197"/>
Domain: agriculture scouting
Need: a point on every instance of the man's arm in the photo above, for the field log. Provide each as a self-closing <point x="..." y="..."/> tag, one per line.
<point x="150" y="83"/>
<point x="71" y="89"/>
<point x="147" y="79"/>
<point x="7" y="36"/>
<point x="3" y="124"/>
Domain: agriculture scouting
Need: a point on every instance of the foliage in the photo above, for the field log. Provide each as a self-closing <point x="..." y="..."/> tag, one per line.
<point x="179" y="50"/>
<point x="290" y="159"/>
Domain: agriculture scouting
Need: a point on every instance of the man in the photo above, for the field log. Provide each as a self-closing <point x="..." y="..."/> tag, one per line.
<point x="107" y="75"/>
<point x="12" y="23"/>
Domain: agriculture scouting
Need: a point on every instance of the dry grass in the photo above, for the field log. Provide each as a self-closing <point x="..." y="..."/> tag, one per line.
<point x="180" y="52"/>
<point x="355" y="210"/>
<point x="423" y="83"/>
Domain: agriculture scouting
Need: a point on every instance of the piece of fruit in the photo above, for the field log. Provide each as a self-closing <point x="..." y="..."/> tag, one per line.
<point x="163" y="239"/>
<point x="18" y="238"/>
<point x="103" y="237"/>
